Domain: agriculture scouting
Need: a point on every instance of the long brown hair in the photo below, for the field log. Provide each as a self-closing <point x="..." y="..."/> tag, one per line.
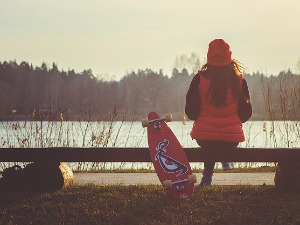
<point x="221" y="78"/>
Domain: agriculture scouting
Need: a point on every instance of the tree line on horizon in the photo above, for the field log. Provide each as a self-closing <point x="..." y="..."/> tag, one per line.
<point x="25" y="90"/>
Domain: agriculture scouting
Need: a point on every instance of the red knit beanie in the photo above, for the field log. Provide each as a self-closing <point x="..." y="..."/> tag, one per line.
<point x="219" y="53"/>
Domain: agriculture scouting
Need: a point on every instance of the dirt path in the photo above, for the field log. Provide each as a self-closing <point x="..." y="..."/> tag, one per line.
<point x="151" y="178"/>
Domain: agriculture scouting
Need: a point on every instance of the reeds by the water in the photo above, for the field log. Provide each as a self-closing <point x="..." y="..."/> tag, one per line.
<point x="53" y="128"/>
<point x="282" y="103"/>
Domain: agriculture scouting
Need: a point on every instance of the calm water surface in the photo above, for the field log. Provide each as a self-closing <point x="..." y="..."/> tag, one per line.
<point x="131" y="134"/>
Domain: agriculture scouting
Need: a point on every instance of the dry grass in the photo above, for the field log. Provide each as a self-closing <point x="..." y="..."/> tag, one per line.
<point x="150" y="205"/>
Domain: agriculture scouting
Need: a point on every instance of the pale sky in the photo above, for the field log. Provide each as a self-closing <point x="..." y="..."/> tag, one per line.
<point x="114" y="37"/>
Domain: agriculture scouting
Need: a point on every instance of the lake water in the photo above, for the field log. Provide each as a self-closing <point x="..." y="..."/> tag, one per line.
<point x="132" y="134"/>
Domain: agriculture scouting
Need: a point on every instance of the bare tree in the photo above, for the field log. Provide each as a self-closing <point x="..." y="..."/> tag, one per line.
<point x="191" y="63"/>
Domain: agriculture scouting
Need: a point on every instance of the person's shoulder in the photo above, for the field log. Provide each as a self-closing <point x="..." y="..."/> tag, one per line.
<point x="241" y="77"/>
<point x="196" y="76"/>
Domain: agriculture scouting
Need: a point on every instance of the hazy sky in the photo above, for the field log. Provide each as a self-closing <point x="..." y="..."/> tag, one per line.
<point x="116" y="36"/>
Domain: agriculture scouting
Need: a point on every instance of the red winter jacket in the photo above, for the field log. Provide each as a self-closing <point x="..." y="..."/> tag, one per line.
<point x="217" y="124"/>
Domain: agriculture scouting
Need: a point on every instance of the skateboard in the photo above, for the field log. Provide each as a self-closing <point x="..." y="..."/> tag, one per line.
<point x="170" y="161"/>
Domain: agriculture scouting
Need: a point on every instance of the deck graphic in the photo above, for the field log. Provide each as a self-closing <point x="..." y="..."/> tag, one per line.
<point x="169" y="164"/>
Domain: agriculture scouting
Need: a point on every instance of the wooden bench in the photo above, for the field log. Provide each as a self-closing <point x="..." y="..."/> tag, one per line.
<point x="68" y="154"/>
<point x="287" y="175"/>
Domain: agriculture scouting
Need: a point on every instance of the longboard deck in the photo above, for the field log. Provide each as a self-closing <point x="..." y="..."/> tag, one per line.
<point x="169" y="159"/>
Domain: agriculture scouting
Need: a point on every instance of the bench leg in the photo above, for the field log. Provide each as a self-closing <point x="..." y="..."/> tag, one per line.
<point x="287" y="176"/>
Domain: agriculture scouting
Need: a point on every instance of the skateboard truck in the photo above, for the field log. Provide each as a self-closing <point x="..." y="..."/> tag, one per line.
<point x="156" y="125"/>
<point x="180" y="183"/>
<point x="180" y="188"/>
<point x="156" y="122"/>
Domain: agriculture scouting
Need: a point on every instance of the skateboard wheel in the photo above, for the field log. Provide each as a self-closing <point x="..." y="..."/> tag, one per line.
<point x="167" y="184"/>
<point x="168" y="117"/>
<point x="192" y="179"/>
<point x="145" y="123"/>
